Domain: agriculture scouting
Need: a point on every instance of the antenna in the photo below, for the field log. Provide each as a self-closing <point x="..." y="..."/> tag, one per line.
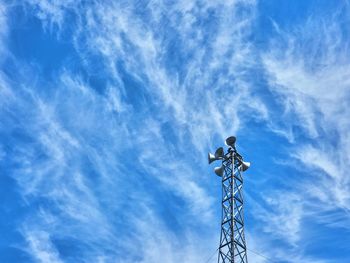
<point x="232" y="248"/>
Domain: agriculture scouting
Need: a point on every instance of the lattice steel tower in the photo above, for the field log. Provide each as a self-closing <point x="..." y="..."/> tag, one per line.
<point x="232" y="248"/>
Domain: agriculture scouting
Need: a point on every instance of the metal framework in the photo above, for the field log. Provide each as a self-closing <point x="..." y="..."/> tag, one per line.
<point x="232" y="247"/>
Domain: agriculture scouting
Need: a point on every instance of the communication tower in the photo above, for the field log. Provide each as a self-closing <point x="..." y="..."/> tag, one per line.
<point x="232" y="247"/>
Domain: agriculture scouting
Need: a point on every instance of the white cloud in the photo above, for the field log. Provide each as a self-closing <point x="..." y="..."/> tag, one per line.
<point x="74" y="126"/>
<point x="310" y="78"/>
<point x="205" y="95"/>
<point x="41" y="247"/>
<point x="4" y="31"/>
<point x="52" y="13"/>
<point x="194" y="94"/>
<point x="281" y="217"/>
<point x="160" y="244"/>
<point x="51" y="165"/>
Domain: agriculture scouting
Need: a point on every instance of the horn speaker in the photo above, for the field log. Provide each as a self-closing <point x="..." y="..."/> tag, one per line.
<point x="219" y="153"/>
<point x="230" y="141"/>
<point x="244" y="166"/>
<point x="219" y="170"/>
<point x="211" y="158"/>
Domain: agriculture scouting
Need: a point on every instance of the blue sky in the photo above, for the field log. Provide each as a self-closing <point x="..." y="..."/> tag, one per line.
<point x="108" y="110"/>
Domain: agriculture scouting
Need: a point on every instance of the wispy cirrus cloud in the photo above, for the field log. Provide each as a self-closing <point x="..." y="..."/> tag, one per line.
<point x="108" y="148"/>
<point x="93" y="150"/>
<point x="315" y="89"/>
<point x="120" y="37"/>
<point x="41" y="246"/>
<point x="309" y="75"/>
<point x="3" y="30"/>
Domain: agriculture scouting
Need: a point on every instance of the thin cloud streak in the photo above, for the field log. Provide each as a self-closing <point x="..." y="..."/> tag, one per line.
<point x="307" y="72"/>
<point x="77" y="125"/>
